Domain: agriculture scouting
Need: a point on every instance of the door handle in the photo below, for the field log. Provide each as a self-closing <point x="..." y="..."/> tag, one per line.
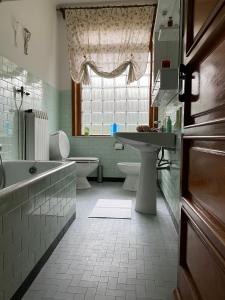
<point x="182" y="83"/>
<point x="186" y="85"/>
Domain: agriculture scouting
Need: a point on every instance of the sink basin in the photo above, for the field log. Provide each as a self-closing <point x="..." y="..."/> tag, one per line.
<point x="147" y="140"/>
<point x="148" y="143"/>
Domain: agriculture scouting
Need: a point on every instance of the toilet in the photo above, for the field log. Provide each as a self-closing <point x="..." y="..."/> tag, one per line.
<point x="60" y="149"/>
<point x="132" y="171"/>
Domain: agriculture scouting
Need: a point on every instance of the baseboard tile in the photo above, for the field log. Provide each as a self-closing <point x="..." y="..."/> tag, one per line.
<point x="174" y="220"/>
<point x="107" y="179"/>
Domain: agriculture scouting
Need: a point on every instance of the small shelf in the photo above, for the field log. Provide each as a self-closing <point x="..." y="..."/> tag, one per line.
<point x="169" y="34"/>
<point x="165" y="86"/>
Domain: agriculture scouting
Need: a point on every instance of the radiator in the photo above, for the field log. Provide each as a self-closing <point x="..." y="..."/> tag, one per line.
<point x="36" y="136"/>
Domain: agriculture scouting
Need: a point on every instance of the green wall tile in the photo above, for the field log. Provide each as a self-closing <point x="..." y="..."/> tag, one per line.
<point x="101" y="147"/>
<point x="169" y="180"/>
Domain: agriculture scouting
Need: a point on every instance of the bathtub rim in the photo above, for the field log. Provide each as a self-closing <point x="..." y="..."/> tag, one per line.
<point x="23" y="183"/>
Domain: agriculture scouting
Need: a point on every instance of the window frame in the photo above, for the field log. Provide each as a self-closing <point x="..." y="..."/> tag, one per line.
<point x="76" y="107"/>
<point x="76" y="97"/>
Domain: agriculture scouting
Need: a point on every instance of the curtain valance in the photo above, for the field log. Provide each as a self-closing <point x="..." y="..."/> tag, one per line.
<point x="109" y="40"/>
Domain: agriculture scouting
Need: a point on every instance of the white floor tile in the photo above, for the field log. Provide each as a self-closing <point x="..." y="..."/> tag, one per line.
<point x="114" y="203"/>
<point x="111" y="259"/>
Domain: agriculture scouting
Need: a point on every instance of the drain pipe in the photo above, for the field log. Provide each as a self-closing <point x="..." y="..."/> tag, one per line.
<point x="163" y="164"/>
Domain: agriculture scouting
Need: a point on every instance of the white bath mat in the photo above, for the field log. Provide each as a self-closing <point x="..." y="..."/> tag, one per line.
<point x="112" y="208"/>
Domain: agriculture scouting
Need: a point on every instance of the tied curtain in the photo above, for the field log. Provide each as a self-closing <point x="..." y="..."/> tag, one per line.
<point x="108" y="41"/>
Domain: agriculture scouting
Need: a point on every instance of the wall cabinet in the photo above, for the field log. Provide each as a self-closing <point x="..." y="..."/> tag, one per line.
<point x="165" y="87"/>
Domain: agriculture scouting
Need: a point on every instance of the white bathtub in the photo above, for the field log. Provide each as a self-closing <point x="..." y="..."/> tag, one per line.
<point x="18" y="171"/>
<point x="35" y="211"/>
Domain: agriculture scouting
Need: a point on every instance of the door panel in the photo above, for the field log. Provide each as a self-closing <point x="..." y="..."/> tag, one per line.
<point x="208" y="260"/>
<point x="194" y="39"/>
<point x="206" y="285"/>
<point x="201" y="271"/>
<point x="206" y="177"/>
<point x="187" y="289"/>
<point x="208" y="90"/>
<point x="202" y="10"/>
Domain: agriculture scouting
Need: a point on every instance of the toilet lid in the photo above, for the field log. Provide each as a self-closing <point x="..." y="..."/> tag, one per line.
<point x="84" y="159"/>
<point x="64" y="144"/>
<point x="59" y="145"/>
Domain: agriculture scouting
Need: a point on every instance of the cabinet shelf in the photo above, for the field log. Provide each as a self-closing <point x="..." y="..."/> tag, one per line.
<point x="168" y="34"/>
<point x="165" y="87"/>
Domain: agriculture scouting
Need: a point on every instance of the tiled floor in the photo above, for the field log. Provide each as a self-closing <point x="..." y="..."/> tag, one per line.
<point x="111" y="259"/>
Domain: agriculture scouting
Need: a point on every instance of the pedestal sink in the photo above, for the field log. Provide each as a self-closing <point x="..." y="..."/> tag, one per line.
<point x="148" y="143"/>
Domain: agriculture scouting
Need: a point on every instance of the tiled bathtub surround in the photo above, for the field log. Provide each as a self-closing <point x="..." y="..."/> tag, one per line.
<point x="32" y="214"/>
<point x="42" y="97"/>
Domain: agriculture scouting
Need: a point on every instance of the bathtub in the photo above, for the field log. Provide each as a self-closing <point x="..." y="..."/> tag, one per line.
<point x="18" y="171"/>
<point x="35" y="211"/>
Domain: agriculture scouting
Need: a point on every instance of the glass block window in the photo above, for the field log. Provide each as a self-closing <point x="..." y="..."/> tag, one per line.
<point x="108" y="101"/>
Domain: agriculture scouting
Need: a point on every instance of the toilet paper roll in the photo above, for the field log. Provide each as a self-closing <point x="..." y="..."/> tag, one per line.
<point x="118" y="146"/>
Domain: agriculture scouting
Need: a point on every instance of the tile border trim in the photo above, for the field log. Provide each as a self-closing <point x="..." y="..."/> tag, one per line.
<point x="107" y="179"/>
<point x="175" y="223"/>
<point x="37" y="268"/>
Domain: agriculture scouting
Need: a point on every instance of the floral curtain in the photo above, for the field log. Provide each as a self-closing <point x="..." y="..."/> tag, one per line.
<point x="109" y="40"/>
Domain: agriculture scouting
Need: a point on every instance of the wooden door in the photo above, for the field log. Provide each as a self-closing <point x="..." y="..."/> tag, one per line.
<point x="201" y="270"/>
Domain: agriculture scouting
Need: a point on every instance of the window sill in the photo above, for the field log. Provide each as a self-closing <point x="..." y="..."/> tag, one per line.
<point x="93" y="136"/>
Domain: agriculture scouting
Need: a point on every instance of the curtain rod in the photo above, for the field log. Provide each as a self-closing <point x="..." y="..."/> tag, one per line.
<point x="63" y="9"/>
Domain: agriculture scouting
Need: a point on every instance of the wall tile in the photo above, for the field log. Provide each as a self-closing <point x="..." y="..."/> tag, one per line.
<point x="169" y="181"/>
<point x="101" y="147"/>
<point x="42" y="97"/>
<point x="28" y="228"/>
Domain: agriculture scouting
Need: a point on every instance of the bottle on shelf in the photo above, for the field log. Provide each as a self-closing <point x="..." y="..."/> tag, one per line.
<point x="177" y="124"/>
<point x="170" y="22"/>
<point x="114" y="128"/>
<point x="86" y="131"/>
<point x="169" y="125"/>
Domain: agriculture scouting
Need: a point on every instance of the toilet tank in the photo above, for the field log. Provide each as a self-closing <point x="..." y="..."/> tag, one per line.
<point x="59" y="146"/>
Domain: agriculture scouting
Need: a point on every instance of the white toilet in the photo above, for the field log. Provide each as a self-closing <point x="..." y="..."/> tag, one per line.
<point x="132" y="171"/>
<point x="60" y="149"/>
